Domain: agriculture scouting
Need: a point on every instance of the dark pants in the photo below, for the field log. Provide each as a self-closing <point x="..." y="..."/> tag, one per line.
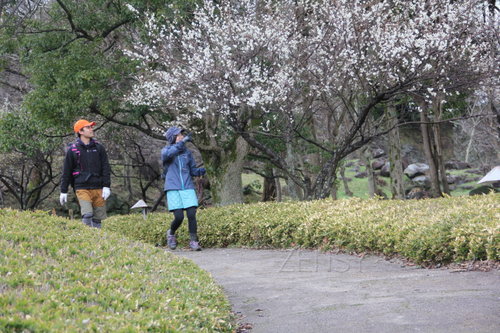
<point x="179" y="217"/>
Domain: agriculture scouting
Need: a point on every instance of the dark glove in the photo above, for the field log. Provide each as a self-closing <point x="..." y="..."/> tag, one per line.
<point x="202" y="171"/>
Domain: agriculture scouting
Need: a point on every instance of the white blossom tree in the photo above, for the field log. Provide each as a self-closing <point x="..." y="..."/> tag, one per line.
<point x="269" y="70"/>
<point x="221" y="71"/>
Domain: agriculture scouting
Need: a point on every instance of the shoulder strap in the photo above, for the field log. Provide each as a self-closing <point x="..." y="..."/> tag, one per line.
<point x="74" y="148"/>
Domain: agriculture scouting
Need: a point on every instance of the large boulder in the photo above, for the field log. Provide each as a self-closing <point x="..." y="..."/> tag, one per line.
<point x="416" y="169"/>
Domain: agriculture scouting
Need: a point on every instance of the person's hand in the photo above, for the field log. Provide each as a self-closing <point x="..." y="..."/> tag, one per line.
<point x="63" y="198"/>
<point x="202" y="171"/>
<point x="187" y="138"/>
<point x="106" y="192"/>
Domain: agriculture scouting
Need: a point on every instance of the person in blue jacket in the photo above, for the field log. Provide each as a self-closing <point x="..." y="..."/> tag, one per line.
<point x="179" y="167"/>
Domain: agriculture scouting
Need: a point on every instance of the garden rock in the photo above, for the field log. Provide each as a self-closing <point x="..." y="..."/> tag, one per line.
<point x="385" y="171"/>
<point x="362" y="174"/>
<point x="378" y="164"/>
<point x="349" y="164"/>
<point x="422" y="181"/>
<point x="456" y="165"/>
<point x="376" y="153"/>
<point x="475" y="172"/>
<point x="417" y="193"/>
<point x="452" y="179"/>
<point x="416" y="169"/>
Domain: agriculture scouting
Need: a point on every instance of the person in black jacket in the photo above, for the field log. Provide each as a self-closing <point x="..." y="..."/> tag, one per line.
<point x="86" y="168"/>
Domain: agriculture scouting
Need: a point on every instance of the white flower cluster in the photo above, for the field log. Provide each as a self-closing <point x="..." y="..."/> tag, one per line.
<point x="271" y="56"/>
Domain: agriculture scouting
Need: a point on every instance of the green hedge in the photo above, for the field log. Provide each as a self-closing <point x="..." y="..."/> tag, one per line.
<point x="424" y="231"/>
<point x="58" y="275"/>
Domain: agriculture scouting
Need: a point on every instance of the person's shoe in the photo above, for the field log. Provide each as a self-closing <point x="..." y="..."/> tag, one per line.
<point x="96" y="223"/>
<point x="171" y="240"/>
<point x="194" y="245"/>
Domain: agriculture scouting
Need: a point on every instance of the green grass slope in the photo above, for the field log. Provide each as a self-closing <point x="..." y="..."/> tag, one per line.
<point x="441" y="230"/>
<point x="58" y="275"/>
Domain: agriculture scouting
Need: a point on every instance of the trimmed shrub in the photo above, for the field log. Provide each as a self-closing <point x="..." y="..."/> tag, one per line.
<point x="57" y="275"/>
<point x="424" y="231"/>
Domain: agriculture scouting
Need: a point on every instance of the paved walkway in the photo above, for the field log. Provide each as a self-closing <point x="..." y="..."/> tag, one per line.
<point x="308" y="291"/>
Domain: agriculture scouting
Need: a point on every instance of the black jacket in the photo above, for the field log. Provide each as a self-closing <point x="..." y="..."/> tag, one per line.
<point x="85" y="167"/>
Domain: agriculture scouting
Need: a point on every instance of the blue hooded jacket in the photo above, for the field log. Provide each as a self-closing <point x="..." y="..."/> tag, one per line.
<point x="178" y="163"/>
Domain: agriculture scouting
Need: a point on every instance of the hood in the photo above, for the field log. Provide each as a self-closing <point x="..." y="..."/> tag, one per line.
<point x="171" y="133"/>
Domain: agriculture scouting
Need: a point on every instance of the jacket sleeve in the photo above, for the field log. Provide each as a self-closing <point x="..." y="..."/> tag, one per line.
<point x="169" y="152"/>
<point x="67" y="174"/>
<point x="193" y="170"/>
<point x="106" y="169"/>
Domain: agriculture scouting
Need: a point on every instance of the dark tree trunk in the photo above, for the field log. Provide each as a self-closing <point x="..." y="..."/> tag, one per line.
<point x="225" y="181"/>
<point x="366" y="158"/>
<point x="429" y="153"/>
<point x="347" y="191"/>
<point x="269" y="190"/>
<point x="277" y="184"/>
<point x="439" y="158"/>
<point x="396" y="165"/>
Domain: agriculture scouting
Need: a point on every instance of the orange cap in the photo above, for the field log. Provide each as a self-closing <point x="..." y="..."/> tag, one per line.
<point x="81" y="124"/>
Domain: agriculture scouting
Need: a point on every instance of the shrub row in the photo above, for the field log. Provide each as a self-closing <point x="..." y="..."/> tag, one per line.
<point x="58" y="275"/>
<point x="424" y="231"/>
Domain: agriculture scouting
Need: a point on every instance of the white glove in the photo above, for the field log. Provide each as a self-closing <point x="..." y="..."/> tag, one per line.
<point x="106" y="192"/>
<point x="63" y="198"/>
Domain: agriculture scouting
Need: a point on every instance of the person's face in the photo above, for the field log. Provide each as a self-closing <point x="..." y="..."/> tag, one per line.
<point x="87" y="132"/>
<point x="179" y="137"/>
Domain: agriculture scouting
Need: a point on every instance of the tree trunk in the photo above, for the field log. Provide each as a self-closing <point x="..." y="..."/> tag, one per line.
<point x="225" y="180"/>
<point x="279" y="195"/>
<point x="438" y="144"/>
<point x="269" y="188"/>
<point x="439" y="158"/>
<point x="294" y="191"/>
<point x="429" y="152"/>
<point x="334" y="190"/>
<point x="347" y="191"/>
<point x="127" y="183"/>
<point x="396" y="165"/>
<point x="33" y="193"/>
<point x="469" y="144"/>
<point x="372" y="186"/>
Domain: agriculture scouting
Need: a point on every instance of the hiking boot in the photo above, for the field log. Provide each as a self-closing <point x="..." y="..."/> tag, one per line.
<point x="87" y="219"/>
<point x="96" y="223"/>
<point x="194" y="245"/>
<point x="171" y="240"/>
